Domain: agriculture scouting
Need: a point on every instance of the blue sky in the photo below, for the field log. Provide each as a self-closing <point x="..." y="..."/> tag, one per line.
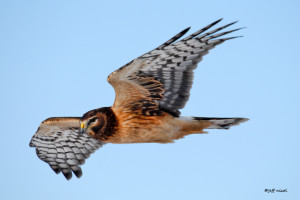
<point x="54" y="60"/>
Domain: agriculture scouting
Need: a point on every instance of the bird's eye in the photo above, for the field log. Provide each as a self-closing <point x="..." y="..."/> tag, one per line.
<point x="92" y="120"/>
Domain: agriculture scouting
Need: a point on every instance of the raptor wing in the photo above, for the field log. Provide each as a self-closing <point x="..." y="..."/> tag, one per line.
<point x="161" y="79"/>
<point x="59" y="143"/>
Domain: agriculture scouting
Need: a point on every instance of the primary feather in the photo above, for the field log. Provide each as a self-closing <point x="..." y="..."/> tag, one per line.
<point x="164" y="76"/>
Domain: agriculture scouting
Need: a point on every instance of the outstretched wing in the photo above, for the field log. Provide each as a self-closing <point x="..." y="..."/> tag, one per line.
<point x="59" y="143"/>
<point x="161" y="79"/>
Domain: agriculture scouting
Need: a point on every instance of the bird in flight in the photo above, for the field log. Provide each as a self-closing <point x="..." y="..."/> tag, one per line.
<point x="150" y="90"/>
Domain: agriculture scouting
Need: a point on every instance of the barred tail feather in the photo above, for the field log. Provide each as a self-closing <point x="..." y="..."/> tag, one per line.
<point x="221" y="123"/>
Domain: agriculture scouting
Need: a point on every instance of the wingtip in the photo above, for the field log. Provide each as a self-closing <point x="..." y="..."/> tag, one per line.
<point x="186" y="30"/>
<point x="219" y="20"/>
<point x="215" y="22"/>
<point x="230" y="38"/>
<point x="67" y="174"/>
<point x="77" y="171"/>
<point x="55" y="169"/>
<point x="234" y="30"/>
<point x="234" y="22"/>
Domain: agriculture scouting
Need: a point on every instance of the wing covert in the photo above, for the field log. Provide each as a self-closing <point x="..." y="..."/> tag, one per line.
<point x="161" y="79"/>
<point x="59" y="143"/>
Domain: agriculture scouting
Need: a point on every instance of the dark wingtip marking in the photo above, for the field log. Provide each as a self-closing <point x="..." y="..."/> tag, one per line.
<point x="221" y="34"/>
<point x="202" y="30"/>
<point x="68" y="174"/>
<point x="231" y="23"/>
<point x="218" y="20"/>
<point x="56" y="170"/>
<point x="78" y="173"/>
<point x="212" y="24"/>
<point x="243" y="28"/>
<point x="174" y="38"/>
<point x="215" y="22"/>
<point x="236" y="29"/>
<point x="230" y="38"/>
<point x="185" y="30"/>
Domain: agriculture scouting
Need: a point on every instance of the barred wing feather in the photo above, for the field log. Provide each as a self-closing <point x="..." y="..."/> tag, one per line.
<point x="161" y="79"/>
<point x="59" y="143"/>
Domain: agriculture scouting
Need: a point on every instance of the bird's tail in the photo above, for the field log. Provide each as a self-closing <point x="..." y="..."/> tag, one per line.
<point x="213" y="122"/>
<point x="221" y="123"/>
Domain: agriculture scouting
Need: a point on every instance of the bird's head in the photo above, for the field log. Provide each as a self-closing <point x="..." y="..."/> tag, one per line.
<point x="93" y="123"/>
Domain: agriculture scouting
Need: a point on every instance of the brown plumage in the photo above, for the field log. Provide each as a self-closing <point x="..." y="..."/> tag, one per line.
<point x="150" y="90"/>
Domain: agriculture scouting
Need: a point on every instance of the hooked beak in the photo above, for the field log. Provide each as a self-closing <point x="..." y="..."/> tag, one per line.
<point x="82" y="128"/>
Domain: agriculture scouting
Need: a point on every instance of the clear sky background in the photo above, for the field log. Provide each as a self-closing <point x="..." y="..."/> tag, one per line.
<point x="55" y="57"/>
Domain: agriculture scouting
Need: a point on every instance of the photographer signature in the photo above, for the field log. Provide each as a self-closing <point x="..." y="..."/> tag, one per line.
<point x="273" y="190"/>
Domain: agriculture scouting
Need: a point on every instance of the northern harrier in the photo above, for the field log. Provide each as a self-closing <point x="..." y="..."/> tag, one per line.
<point x="150" y="90"/>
